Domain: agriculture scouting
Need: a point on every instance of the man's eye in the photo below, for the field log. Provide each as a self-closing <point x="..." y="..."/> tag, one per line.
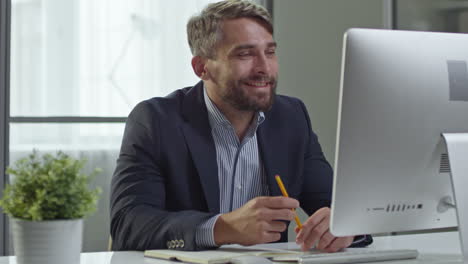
<point x="271" y="52"/>
<point x="243" y="54"/>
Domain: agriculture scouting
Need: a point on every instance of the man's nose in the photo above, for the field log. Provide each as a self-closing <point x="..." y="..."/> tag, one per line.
<point x="262" y="64"/>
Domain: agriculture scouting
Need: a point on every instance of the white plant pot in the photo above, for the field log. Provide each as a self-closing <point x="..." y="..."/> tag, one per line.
<point x="47" y="242"/>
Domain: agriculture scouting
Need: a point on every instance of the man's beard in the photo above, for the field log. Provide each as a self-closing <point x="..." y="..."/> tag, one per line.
<point x="237" y="97"/>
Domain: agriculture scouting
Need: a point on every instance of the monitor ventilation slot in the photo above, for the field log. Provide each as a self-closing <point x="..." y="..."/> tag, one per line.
<point x="444" y="163"/>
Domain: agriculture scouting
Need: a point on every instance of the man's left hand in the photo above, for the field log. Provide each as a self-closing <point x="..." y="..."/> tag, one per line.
<point x="316" y="231"/>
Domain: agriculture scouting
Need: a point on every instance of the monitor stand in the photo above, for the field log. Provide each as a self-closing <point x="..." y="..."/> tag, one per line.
<point x="457" y="150"/>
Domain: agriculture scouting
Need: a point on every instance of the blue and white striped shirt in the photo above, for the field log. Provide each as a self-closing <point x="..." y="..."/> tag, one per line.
<point x="241" y="173"/>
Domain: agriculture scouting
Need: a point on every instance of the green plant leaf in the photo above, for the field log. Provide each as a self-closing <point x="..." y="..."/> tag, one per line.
<point x="49" y="187"/>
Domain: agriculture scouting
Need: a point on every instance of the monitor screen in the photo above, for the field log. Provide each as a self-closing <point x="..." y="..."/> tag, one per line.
<point x="399" y="91"/>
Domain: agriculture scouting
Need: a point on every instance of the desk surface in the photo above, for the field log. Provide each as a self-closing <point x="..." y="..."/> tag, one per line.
<point x="433" y="248"/>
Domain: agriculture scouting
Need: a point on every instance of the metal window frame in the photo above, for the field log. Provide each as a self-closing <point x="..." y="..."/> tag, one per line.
<point x="389" y="14"/>
<point x="269" y="6"/>
<point x="5" y="21"/>
<point x="66" y="119"/>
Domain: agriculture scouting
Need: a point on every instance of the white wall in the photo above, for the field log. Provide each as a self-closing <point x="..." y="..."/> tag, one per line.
<point x="309" y="35"/>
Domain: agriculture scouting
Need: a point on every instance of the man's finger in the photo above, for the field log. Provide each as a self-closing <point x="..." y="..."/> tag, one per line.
<point x="276" y="226"/>
<point x="326" y="240"/>
<point x="315" y="234"/>
<point x="331" y="247"/>
<point x="312" y="222"/>
<point x="297" y="229"/>
<point x="267" y="214"/>
<point x="282" y="214"/>
<point x="268" y="237"/>
<point x="338" y="244"/>
<point x="279" y="202"/>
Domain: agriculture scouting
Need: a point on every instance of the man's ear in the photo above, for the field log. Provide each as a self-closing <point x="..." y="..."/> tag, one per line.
<point x="199" y="67"/>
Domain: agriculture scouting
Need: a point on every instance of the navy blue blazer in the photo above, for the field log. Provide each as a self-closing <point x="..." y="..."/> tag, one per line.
<point x="166" y="180"/>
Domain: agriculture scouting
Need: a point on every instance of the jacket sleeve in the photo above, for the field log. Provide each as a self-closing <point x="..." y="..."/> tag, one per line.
<point x="139" y="220"/>
<point x="318" y="180"/>
<point x="318" y="175"/>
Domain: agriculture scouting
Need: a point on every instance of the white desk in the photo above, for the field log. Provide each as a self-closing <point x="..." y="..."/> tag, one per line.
<point x="440" y="248"/>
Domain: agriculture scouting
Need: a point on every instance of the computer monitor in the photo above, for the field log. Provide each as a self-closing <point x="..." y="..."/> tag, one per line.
<point x="400" y="90"/>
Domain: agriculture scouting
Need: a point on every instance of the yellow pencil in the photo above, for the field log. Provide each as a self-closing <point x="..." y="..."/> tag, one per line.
<point x="285" y="194"/>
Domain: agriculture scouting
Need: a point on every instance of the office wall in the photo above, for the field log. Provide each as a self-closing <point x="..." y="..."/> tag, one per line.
<point x="309" y="35"/>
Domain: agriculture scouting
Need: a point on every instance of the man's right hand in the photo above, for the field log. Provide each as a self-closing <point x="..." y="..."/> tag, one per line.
<point x="256" y="222"/>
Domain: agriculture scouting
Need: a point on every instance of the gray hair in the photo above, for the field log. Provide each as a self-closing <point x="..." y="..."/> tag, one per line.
<point x="204" y="29"/>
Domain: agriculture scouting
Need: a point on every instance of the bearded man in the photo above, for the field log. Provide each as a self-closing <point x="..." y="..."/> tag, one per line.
<point x="196" y="168"/>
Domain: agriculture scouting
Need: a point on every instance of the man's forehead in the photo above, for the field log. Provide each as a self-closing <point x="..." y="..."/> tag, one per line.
<point x="246" y="28"/>
<point x="244" y="33"/>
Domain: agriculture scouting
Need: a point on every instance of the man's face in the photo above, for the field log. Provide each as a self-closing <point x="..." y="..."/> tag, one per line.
<point x="244" y="72"/>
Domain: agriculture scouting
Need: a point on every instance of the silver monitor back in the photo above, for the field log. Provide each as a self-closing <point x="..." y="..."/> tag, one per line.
<point x="399" y="91"/>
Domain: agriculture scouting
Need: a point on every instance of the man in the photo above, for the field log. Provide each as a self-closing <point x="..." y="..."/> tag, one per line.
<point x="196" y="168"/>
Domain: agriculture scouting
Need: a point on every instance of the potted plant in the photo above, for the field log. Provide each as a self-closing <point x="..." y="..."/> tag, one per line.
<point x="47" y="200"/>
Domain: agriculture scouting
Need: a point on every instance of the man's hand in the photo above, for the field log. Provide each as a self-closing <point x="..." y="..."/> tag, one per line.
<point x="256" y="222"/>
<point x="316" y="230"/>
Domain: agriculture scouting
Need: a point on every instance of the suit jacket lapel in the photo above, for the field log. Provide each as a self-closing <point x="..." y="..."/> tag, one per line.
<point x="197" y="132"/>
<point x="272" y="148"/>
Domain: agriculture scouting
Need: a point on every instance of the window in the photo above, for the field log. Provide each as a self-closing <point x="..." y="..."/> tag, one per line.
<point x="97" y="58"/>
<point x="78" y="67"/>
